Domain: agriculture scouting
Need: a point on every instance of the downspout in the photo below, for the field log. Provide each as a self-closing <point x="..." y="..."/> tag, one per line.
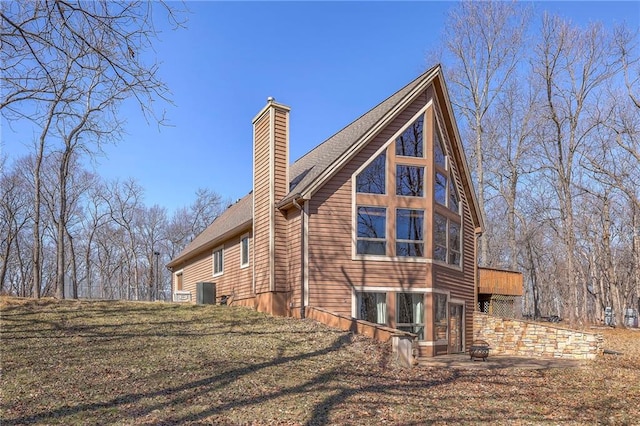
<point x="302" y="262"/>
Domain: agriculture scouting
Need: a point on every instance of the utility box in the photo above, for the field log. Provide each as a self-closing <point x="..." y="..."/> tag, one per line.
<point x="608" y="316"/>
<point x="205" y="293"/>
<point x="630" y="318"/>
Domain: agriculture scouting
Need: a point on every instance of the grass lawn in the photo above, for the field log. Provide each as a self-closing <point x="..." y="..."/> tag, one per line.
<point x="128" y="363"/>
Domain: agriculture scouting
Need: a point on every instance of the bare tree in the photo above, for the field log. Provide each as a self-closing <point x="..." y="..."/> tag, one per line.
<point x="571" y="65"/>
<point x="14" y="216"/>
<point x="485" y="41"/>
<point x="67" y="66"/>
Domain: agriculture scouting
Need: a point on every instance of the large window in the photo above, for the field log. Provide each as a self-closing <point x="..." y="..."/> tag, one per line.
<point x="410" y="142"/>
<point x="372" y="180"/>
<point x="446" y="240"/>
<point x="392" y="224"/>
<point x="409" y="232"/>
<point x="244" y="251"/>
<point x="410" y="313"/>
<point x="410" y="181"/>
<point x="218" y="261"/>
<point x="372" y="307"/>
<point x="372" y="224"/>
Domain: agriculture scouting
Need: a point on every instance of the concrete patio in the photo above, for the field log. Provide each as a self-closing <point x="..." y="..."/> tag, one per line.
<point x="495" y="362"/>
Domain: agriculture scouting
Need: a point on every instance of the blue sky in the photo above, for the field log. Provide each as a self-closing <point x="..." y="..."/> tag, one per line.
<point x="329" y="61"/>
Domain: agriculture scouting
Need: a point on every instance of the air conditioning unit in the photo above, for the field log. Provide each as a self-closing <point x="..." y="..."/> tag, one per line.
<point x="206" y="293"/>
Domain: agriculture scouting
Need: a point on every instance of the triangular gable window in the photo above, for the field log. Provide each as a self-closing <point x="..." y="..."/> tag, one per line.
<point x="372" y="180"/>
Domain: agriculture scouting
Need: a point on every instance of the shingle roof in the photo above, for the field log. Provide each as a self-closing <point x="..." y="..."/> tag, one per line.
<point x="304" y="173"/>
<point x="310" y="166"/>
<point x="236" y="217"/>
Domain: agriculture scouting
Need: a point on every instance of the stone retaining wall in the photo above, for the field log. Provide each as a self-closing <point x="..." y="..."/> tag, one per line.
<point x="514" y="337"/>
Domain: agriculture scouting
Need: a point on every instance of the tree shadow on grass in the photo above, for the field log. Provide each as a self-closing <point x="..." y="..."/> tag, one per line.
<point x="207" y="385"/>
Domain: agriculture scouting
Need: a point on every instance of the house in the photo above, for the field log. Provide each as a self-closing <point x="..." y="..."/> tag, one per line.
<point x="376" y="225"/>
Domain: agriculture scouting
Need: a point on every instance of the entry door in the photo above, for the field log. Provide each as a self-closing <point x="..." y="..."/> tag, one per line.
<point x="456" y="319"/>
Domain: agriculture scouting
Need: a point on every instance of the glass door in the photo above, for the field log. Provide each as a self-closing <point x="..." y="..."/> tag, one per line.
<point x="456" y="320"/>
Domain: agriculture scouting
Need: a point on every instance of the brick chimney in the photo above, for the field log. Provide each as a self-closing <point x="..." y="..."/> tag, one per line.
<point x="270" y="185"/>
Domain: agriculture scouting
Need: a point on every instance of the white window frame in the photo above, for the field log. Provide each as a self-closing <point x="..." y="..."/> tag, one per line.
<point x="356" y="305"/>
<point x="175" y="279"/>
<point x="213" y="261"/>
<point x="242" y="250"/>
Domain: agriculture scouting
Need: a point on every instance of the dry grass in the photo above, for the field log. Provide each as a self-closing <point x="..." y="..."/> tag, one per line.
<point x="148" y="363"/>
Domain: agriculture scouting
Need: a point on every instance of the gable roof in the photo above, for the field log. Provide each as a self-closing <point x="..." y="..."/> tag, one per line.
<point x="313" y="169"/>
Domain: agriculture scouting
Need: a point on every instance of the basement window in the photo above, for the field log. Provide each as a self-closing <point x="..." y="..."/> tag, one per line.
<point x="410" y="313"/>
<point x="372" y="307"/>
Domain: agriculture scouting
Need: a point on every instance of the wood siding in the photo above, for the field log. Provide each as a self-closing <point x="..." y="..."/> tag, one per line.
<point x="271" y="184"/>
<point x="334" y="273"/>
<point x="262" y="204"/>
<point x="235" y="281"/>
<point x="281" y="188"/>
<point x="496" y="281"/>
<point x="294" y="248"/>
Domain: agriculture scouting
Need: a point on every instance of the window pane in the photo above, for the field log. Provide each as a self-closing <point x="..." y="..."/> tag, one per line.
<point x="218" y="261"/>
<point x="409" y="181"/>
<point x="372" y="247"/>
<point x="245" y="250"/>
<point x="440" y="189"/>
<point x="438" y="152"/>
<point x="410" y="313"/>
<point x="409" y="143"/>
<point x="440" y="230"/>
<point x="409" y="224"/>
<point x="372" y="222"/>
<point x="409" y="227"/>
<point x="454" y="236"/>
<point x="454" y="243"/>
<point x="440" y="316"/>
<point x="372" y="179"/>
<point x="409" y="249"/>
<point x="453" y="197"/>
<point x="440" y="253"/>
<point x="440" y="237"/>
<point x="372" y="307"/>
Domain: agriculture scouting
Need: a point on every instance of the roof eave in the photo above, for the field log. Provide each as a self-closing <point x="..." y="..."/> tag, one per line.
<point x="476" y="213"/>
<point x="209" y="245"/>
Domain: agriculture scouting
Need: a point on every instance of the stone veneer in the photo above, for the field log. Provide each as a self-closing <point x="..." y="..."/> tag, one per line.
<point x="514" y="337"/>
